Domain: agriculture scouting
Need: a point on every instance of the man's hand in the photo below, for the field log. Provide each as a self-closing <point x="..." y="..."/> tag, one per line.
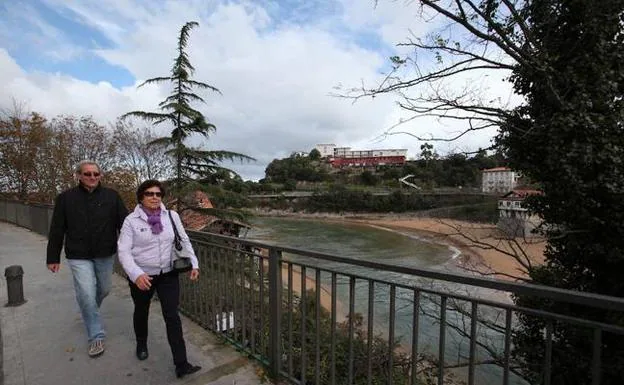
<point x="143" y="282"/>
<point x="194" y="274"/>
<point x="54" y="267"/>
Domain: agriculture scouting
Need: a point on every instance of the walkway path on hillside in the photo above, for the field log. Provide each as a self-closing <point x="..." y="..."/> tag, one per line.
<point x="44" y="339"/>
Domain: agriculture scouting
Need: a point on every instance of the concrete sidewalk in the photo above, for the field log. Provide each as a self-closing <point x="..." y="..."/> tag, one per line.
<point x="45" y="341"/>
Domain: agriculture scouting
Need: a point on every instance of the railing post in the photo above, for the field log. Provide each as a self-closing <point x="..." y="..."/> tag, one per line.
<point x="275" y="312"/>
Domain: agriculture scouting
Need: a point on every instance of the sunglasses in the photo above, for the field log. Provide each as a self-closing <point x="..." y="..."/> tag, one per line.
<point x="152" y="193"/>
<point x="90" y="174"/>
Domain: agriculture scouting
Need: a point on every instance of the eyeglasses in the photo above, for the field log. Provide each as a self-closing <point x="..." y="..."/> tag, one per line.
<point x="90" y="174"/>
<point x="152" y="193"/>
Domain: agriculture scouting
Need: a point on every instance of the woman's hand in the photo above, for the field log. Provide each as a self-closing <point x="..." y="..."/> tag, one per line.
<point x="143" y="282"/>
<point x="194" y="274"/>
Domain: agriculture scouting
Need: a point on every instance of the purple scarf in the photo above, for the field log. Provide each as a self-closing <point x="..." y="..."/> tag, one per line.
<point x="153" y="219"/>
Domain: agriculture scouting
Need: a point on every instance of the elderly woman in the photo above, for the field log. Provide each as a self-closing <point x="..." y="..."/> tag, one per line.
<point x="145" y="252"/>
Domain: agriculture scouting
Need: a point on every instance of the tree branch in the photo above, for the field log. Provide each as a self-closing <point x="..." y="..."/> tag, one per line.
<point x="504" y="44"/>
<point x="518" y="51"/>
<point x="458" y="52"/>
<point x="446" y="72"/>
<point x="521" y="22"/>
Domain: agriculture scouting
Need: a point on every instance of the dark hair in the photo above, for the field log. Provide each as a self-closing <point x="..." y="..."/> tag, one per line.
<point x="149" y="184"/>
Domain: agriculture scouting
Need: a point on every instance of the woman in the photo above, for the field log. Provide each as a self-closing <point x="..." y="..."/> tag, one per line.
<point x="145" y="251"/>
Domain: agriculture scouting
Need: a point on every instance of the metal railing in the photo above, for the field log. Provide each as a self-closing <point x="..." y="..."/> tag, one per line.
<point x="316" y="318"/>
<point x="454" y="331"/>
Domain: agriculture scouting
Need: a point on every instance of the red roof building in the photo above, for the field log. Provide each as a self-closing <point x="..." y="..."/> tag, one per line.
<point x="195" y="220"/>
<point x="514" y="218"/>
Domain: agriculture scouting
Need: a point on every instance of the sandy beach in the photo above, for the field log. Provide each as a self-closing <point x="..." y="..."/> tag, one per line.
<point x="484" y="248"/>
<point x="326" y="297"/>
<point x="310" y="283"/>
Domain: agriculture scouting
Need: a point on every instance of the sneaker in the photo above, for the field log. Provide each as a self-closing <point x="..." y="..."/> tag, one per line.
<point x="96" y="348"/>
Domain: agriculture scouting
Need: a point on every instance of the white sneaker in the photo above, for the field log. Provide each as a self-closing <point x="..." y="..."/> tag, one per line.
<point x="96" y="348"/>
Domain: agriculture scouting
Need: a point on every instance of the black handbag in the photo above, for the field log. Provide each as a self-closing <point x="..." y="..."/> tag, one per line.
<point x="180" y="263"/>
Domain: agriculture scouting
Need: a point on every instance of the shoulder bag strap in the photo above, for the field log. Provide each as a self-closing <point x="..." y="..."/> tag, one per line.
<point x="176" y="238"/>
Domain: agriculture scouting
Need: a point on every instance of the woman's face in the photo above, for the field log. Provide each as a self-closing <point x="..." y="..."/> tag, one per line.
<point x="152" y="198"/>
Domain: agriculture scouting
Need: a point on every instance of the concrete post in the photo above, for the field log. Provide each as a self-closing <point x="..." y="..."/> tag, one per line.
<point x="15" y="288"/>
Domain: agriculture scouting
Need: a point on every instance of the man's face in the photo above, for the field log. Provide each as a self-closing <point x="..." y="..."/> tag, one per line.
<point x="89" y="176"/>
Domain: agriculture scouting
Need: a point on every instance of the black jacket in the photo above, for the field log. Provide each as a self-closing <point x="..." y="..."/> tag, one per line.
<point x="88" y="223"/>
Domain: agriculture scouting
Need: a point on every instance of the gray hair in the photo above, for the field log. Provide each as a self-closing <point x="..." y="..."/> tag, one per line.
<point x="78" y="169"/>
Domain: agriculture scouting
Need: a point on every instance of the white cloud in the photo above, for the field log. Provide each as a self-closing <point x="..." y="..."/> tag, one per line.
<point x="393" y="20"/>
<point x="10" y="69"/>
<point x="276" y="78"/>
<point x="55" y="94"/>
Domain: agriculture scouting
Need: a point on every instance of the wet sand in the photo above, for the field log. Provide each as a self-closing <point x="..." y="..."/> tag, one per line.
<point x="484" y="248"/>
<point x="326" y="296"/>
<point x="480" y="249"/>
<point x="310" y="283"/>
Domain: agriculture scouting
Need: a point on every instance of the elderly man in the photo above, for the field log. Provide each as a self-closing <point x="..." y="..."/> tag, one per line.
<point x="87" y="218"/>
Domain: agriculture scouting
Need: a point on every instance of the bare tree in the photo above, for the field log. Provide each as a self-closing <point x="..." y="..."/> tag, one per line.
<point x="476" y="38"/>
<point x="38" y="156"/>
<point x="135" y="152"/>
<point x="441" y="77"/>
<point x="84" y="138"/>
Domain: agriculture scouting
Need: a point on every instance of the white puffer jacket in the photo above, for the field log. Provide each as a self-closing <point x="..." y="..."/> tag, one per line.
<point x="141" y="252"/>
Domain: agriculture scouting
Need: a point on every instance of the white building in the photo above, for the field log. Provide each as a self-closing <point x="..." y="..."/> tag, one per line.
<point x="370" y="153"/>
<point x="326" y="149"/>
<point x="332" y="150"/>
<point x="341" y="152"/>
<point x="513" y="217"/>
<point x="498" y="180"/>
<point x="345" y="157"/>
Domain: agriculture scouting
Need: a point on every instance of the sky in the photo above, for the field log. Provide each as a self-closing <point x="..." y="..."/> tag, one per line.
<point x="278" y="65"/>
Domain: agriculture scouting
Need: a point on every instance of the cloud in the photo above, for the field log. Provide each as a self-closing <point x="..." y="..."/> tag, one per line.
<point x="393" y="21"/>
<point x="10" y="69"/>
<point x="276" y="68"/>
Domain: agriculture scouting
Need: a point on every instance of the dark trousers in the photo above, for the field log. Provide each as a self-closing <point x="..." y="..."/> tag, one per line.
<point x="168" y="288"/>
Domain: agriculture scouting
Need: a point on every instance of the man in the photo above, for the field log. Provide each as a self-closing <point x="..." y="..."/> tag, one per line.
<point x="88" y="218"/>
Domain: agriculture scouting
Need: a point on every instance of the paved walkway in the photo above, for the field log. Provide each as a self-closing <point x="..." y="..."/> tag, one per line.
<point x="44" y="339"/>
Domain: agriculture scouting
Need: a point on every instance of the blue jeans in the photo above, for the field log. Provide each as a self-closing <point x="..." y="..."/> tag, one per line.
<point x="92" y="282"/>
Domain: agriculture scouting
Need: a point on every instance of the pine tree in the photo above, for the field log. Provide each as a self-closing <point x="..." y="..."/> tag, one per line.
<point x="190" y="163"/>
